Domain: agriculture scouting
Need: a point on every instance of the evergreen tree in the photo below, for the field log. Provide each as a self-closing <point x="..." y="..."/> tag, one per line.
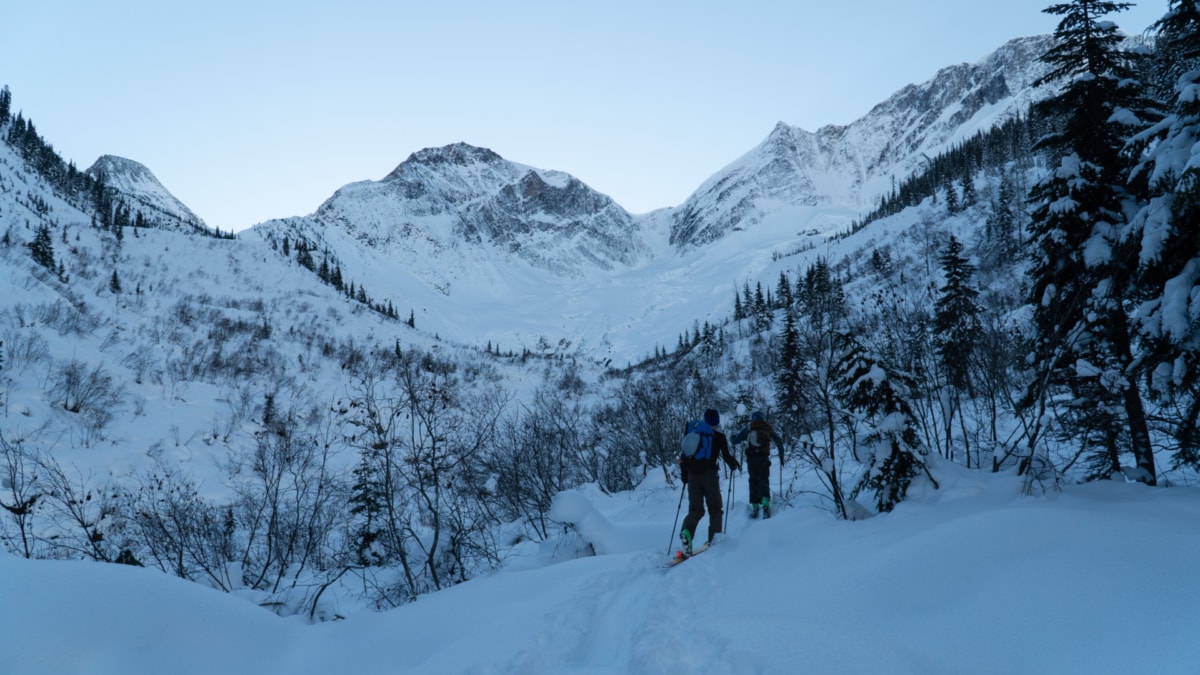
<point x="783" y="292"/>
<point x="968" y="196"/>
<point x="5" y="104"/>
<point x="1166" y="228"/>
<point x="880" y="399"/>
<point x="368" y="499"/>
<point x="1001" y="226"/>
<point x="41" y="249"/>
<point x="788" y="395"/>
<point x="952" y="205"/>
<point x="114" y="284"/>
<point x="1080" y="268"/>
<point x="762" y="309"/>
<point x="956" y="321"/>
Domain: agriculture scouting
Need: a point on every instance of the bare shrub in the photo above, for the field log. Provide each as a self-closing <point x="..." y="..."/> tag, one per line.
<point x="90" y="393"/>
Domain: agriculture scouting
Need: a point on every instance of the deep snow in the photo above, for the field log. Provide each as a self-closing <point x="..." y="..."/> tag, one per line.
<point x="971" y="578"/>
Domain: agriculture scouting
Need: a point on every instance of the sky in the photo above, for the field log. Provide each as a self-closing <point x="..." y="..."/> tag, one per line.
<point x="970" y="578"/>
<point x="260" y="110"/>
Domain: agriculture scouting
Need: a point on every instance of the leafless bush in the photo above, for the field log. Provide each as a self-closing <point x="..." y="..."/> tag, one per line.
<point x="90" y="393"/>
<point x="80" y="514"/>
<point x="24" y="348"/>
<point x="180" y="532"/>
<point x="19" y="496"/>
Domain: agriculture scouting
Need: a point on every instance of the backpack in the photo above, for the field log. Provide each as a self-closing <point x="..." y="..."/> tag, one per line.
<point x="759" y="440"/>
<point x="697" y="442"/>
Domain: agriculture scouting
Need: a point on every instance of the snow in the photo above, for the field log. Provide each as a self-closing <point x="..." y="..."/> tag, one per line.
<point x="971" y="578"/>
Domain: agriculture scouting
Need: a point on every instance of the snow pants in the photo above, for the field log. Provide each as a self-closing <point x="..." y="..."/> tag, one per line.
<point x="704" y="488"/>
<point x="759" y="469"/>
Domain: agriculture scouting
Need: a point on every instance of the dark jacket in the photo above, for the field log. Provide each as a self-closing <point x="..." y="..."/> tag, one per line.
<point x="761" y="425"/>
<point x="720" y="449"/>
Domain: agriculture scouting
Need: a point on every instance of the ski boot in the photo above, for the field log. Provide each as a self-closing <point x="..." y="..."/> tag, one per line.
<point x="685" y="538"/>
<point x="754" y="510"/>
<point x="766" y="507"/>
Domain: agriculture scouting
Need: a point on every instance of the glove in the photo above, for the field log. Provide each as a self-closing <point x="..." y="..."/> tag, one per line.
<point x="737" y="466"/>
<point x="683" y="475"/>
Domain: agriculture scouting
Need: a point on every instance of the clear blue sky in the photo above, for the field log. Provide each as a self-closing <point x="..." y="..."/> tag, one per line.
<point x="250" y="110"/>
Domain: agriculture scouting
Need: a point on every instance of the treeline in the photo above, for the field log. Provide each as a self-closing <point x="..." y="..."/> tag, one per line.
<point x="992" y="150"/>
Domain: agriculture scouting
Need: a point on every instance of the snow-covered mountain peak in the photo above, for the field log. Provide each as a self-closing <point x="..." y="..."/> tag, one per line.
<point x="459" y="154"/>
<point x="124" y="174"/>
<point x="142" y="191"/>
<point x="845" y="169"/>
<point x="461" y="221"/>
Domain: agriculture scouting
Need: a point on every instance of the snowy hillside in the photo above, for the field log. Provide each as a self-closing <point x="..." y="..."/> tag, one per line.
<point x="817" y="182"/>
<point x="968" y="579"/>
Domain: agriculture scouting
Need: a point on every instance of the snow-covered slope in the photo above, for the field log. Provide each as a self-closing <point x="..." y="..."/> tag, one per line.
<point x="818" y="182"/>
<point x="141" y="191"/>
<point x="968" y="579"/>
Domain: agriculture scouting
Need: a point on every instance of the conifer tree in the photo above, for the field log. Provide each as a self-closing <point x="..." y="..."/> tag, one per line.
<point x="783" y="292"/>
<point x="114" y="284"/>
<point x="787" y="370"/>
<point x="368" y="499"/>
<point x="952" y="205"/>
<point x="879" y="398"/>
<point x="5" y="104"/>
<point x="41" y="249"/>
<point x="956" y="321"/>
<point x="1080" y="268"/>
<point x="1166" y="229"/>
<point x="968" y="196"/>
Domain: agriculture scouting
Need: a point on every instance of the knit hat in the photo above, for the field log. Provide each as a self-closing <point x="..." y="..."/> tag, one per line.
<point x="712" y="417"/>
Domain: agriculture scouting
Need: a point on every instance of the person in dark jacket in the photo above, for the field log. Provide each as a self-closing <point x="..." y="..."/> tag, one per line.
<point x="758" y="436"/>
<point x="702" y="477"/>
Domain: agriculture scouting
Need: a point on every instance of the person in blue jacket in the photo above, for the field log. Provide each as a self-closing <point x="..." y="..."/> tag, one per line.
<point x="702" y="477"/>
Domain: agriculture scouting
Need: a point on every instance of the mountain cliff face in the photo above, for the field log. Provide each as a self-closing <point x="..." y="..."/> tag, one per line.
<point x="469" y="203"/>
<point x="141" y="191"/>
<point x="847" y="168"/>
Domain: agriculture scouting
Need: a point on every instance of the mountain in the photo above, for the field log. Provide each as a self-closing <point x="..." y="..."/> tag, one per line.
<point x="471" y="204"/>
<point x="484" y="249"/>
<point x="137" y="187"/>
<point x="821" y="180"/>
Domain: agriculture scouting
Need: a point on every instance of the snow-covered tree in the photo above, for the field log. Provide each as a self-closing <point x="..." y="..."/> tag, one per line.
<point x="887" y="439"/>
<point x="1081" y="267"/>
<point x="1166" y="229"/>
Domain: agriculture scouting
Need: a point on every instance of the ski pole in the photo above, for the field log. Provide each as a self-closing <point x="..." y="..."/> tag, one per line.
<point x="677" y="509"/>
<point x="781" y="472"/>
<point x="728" y="503"/>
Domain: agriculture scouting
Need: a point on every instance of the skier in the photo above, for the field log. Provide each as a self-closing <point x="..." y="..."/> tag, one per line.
<point x="702" y="476"/>
<point x="758" y="436"/>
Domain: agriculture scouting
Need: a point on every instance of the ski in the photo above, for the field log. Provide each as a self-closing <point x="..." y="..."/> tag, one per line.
<point x="680" y="556"/>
